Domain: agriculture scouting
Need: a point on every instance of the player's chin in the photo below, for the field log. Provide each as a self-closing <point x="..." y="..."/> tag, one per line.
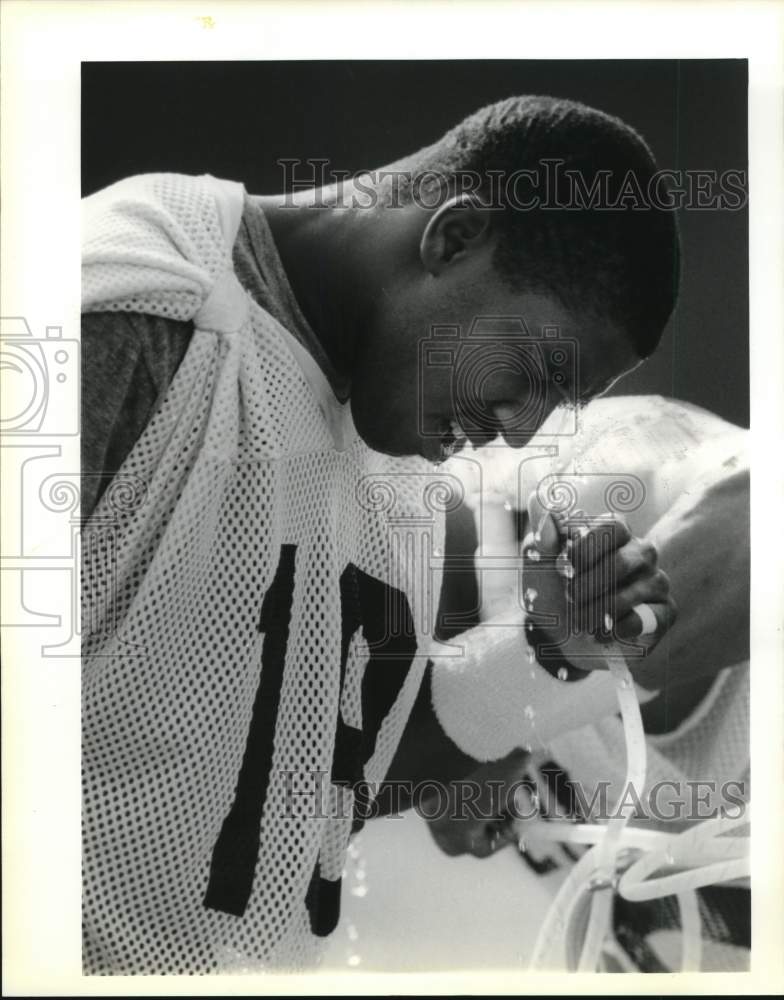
<point x="437" y="448"/>
<point x="430" y="450"/>
<point x="392" y="439"/>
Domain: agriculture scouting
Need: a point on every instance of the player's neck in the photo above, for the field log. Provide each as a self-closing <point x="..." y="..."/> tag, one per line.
<point x="326" y="252"/>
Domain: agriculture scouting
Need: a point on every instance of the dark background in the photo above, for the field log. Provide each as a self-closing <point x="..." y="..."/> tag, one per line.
<point x="236" y="119"/>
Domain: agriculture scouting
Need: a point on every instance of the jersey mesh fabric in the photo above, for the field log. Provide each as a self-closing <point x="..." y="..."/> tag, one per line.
<point x="236" y="491"/>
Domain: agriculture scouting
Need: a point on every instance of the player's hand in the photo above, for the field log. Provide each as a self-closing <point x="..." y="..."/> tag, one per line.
<point x="475" y="819"/>
<point x="495" y="807"/>
<point x="588" y="579"/>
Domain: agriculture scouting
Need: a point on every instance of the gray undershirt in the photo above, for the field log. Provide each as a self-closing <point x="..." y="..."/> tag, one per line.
<point x="129" y="359"/>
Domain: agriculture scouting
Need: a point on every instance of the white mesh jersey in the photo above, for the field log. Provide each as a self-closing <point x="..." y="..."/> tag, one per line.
<point x="251" y="616"/>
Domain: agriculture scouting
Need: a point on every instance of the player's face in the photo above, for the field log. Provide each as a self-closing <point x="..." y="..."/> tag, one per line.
<point x="423" y="388"/>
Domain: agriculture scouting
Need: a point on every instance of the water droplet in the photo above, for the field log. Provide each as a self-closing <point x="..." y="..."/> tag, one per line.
<point x="352" y="932"/>
<point x="600" y="880"/>
<point x="354" y="960"/>
<point x="437" y="553"/>
<point x="668" y="858"/>
<point x="608" y="623"/>
<point x="535" y="800"/>
<point x="521" y="845"/>
<point x="537" y="537"/>
<point x="530" y="654"/>
<point x="625" y="682"/>
<point x="564" y="566"/>
<point x="359" y="890"/>
<point x="533" y="675"/>
<point x="534" y="555"/>
<point x="563" y="674"/>
<point x="507" y="505"/>
<point x="528" y="711"/>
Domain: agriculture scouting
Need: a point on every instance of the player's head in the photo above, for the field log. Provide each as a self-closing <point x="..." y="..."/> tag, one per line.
<point x="533" y="207"/>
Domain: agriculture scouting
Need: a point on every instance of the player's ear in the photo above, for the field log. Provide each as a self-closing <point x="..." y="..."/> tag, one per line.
<point x="457" y="228"/>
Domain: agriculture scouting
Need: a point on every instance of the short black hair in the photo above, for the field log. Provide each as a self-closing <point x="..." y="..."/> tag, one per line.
<point x="619" y="264"/>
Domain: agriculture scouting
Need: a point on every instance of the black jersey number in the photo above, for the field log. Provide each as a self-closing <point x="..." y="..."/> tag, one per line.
<point x="384" y="614"/>
<point x="237" y="847"/>
<point x="366" y="603"/>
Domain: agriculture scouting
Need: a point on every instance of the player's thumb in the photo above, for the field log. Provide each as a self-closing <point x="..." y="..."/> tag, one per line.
<point x="546" y="536"/>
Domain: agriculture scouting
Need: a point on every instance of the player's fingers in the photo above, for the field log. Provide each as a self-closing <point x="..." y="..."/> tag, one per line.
<point x="650" y="589"/>
<point x="648" y="622"/>
<point x="636" y="559"/>
<point x="544" y="543"/>
<point x="486" y="840"/>
<point x="590" y="540"/>
<point x="545" y="536"/>
<point x="457" y="836"/>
